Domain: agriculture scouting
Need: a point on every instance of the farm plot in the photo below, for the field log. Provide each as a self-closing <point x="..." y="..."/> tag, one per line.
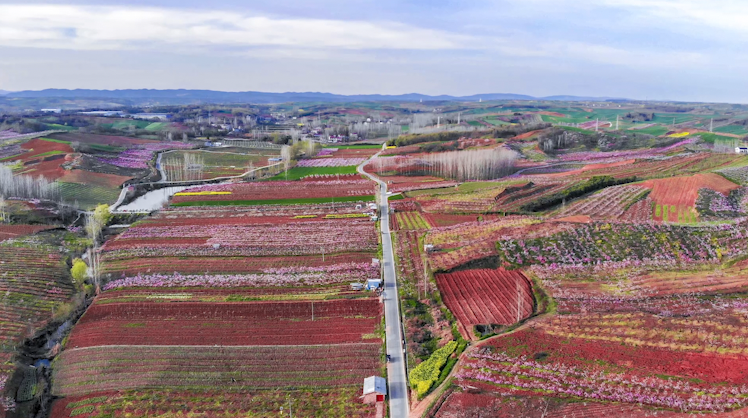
<point x="269" y="191"/>
<point x="229" y="324"/>
<point x="131" y="265"/>
<point x="89" y="370"/>
<point x="611" y="202"/>
<point x="629" y="244"/>
<point x="676" y="197"/>
<point x="330" y="236"/>
<point x="158" y="294"/>
<point x="33" y="283"/>
<point x="486" y="297"/>
<point x="15" y="231"/>
<point x="138" y="156"/>
<point x="277" y="276"/>
<point x="205" y="165"/>
<point x="410" y="221"/>
<point x="333" y="403"/>
<point x="534" y="362"/>
<point x="330" y="162"/>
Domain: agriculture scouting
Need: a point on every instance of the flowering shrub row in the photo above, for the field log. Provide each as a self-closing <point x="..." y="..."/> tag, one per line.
<point x="283" y="277"/>
<point x="330" y="162"/>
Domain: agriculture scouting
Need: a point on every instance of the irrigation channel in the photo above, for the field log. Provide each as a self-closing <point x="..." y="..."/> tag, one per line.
<point x="397" y="379"/>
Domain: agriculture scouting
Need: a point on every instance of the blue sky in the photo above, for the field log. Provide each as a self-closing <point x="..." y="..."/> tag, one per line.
<point x="689" y="50"/>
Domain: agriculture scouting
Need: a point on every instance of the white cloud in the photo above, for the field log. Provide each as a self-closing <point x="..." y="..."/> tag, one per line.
<point x="101" y="28"/>
<point x="685" y="15"/>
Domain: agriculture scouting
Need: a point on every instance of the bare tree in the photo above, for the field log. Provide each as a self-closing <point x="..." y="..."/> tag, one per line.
<point x="26" y="186"/>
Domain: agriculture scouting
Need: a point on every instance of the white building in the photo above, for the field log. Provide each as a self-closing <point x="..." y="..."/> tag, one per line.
<point x="741" y="150"/>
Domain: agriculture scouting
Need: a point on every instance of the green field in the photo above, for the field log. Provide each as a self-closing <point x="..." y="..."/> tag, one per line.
<point x="667" y="118"/>
<point x="156" y="126"/>
<point x="298" y="172"/>
<point x="496" y="122"/>
<point x="652" y="130"/>
<point x="88" y="196"/>
<point x="733" y="129"/>
<point x="59" y="141"/>
<point x="311" y="200"/>
<point x="712" y="138"/>
<point x="474" y="123"/>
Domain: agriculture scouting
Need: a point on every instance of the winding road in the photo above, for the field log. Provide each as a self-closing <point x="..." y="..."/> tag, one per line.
<point x="396" y="377"/>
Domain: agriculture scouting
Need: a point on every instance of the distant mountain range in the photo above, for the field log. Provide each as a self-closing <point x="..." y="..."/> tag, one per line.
<point x="3" y="92"/>
<point x="193" y="96"/>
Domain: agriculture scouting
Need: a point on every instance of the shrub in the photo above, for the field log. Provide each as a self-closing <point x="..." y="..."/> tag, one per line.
<point x="423" y="376"/>
<point x="79" y="271"/>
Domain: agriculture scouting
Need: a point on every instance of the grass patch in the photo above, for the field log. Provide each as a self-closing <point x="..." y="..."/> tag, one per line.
<point x="297" y="173"/>
<point x="310" y="200"/>
<point x="59" y="141"/>
<point x="48" y="154"/>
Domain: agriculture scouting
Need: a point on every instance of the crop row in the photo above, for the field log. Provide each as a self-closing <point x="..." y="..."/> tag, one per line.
<point x="596" y="243"/>
<point x="273" y="190"/>
<point x="611" y="202"/>
<point x="410" y="221"/>
<point x="486" y="297"/>
<point x="132" y="265"/>
<point x="211" y="402"/>
<point x="298" y="238"/>
<point x="225" y="331"/>
<point x="330" y="162"/>
<point x="340" y="273"/>
<point x="136" y="367"/>
<point x="234" y="311"/>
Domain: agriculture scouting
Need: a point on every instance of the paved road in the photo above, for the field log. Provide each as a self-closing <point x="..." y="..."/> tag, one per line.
<point x="398" y="385"/>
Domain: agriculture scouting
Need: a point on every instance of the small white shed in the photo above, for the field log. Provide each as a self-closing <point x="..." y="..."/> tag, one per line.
<point x="375" y="384"/>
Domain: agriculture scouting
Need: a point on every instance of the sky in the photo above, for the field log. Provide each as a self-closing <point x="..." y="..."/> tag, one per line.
<point x="686" y="50"/>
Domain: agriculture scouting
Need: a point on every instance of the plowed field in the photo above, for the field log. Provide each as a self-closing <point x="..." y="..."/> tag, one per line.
<point x="482" y="297"/>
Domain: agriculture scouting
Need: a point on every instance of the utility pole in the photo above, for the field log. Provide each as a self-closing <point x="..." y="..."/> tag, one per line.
<point x="711" y="125"/>
<point x="458" y="117"/>
<point x="617" y="116"/>
<point x="438" y="121"/>
<point x="519" y="301"/>
<point x="597" y="125"/>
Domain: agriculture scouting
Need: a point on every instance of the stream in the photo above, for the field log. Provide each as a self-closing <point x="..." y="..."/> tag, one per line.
<point x="153" y="200"/>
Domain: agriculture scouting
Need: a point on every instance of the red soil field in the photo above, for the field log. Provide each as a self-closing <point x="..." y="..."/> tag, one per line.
<point x="196" y="330"/>
<point x="527" y="135"/>
<point x="711" y="368"/>
<point x="255" y="323"/>
<point x="464" y="404"/>
<point x="482" y="297"/>
<point x="39" y="146"/>
<point x="232" y="311"/>
<point x="683" y="191"/>
<point x="15" y="231"/>
<point x="95" y="179"/>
